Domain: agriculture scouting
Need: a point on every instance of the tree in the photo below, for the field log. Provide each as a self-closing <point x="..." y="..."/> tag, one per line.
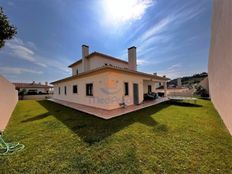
<point x="7" y="31"/>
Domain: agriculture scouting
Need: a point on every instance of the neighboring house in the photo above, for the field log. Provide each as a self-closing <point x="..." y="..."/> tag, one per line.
<point x="34" y="88"/>
<point x="106" y="82"/>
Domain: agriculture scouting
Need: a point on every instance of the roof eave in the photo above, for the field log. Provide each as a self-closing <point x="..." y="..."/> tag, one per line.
<point x="109" y="67"/>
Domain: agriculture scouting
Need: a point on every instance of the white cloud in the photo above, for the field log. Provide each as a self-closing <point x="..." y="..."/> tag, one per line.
<point x="173" y="71"/>
<point x="17" y="70"/>
<point x="29" y="52"/>
<point x="155" y="35"/>
<point x="156" y="29"/>
<point x="20" y="50"/>
<point x="119" y="12"/>
<point x="174" y="67"/>
<point x="142" y="62"/>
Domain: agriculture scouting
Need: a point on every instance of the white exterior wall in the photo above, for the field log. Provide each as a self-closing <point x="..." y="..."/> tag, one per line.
<point x="96" y="62"/>
<point x="145" y="86"/>
<point x="9" y="99"/>
<point x="118" y="91"/>
<point x="220" y="60"/>
<point x="81" y="97"/>
<point x="108" y="90"/>
<point x="74" y="69"/>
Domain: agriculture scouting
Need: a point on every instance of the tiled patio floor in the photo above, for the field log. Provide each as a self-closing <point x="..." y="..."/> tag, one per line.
<point x="107" y="114"/>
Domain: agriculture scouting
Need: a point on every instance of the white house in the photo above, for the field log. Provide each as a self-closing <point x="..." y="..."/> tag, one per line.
<point x="33" y="88"/>
<point x="106" y="82"/>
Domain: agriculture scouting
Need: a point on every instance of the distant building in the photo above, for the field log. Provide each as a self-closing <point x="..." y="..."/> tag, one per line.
<point x="205" y="84"/>
<point x="33" y="88"/>
<point x="179" y="84"/>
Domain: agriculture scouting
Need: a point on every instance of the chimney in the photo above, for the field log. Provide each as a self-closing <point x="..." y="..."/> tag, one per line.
<point x="132" y="58"/>
<point x="85" y="53"/>
<point x="46" y="83"/>
<point x="33" y="82"/>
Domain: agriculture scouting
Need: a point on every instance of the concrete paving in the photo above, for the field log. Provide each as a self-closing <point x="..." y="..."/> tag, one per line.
<point x="108" y="114"/>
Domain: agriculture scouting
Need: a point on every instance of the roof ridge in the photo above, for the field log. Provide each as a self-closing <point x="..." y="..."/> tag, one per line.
<point x="99" y="53"/>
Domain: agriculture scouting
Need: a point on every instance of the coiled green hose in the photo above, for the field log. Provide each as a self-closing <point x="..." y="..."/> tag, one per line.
<point x="9" y="148"/>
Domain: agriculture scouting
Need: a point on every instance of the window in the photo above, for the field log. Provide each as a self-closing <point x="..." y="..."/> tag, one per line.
<point x="126" y="88"/>
<point x="77" y="71"/>
<point x="59" y="90"/>
<point x="65" y="90"/>
<point x="149" y="88"/>
<point x="74" y="89"/>
<point x="89" y="89"/>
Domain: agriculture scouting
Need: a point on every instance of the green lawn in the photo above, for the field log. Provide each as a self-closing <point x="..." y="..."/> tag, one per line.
<point x="167" y="138"/>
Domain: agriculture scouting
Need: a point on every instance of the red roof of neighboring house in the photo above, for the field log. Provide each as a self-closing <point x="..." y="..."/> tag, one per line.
<point x="31" y="85"/>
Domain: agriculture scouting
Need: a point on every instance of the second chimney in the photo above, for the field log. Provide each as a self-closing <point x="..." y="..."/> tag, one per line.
<point x="132" y="58"/>
<point x="85" y="53"/>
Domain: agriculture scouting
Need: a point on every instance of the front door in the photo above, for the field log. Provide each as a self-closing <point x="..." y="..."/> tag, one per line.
<point x="136" y="93"/>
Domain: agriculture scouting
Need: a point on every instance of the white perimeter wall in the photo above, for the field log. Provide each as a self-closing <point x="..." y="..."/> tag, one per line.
<point x="185" y="92"/>
<point x="220" y="60"/>
<point x="8" y="101"/>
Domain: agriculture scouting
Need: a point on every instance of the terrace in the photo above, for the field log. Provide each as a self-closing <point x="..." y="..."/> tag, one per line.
<point x="108" y="114"/>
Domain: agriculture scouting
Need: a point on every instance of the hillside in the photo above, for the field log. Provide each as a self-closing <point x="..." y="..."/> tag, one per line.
<point x="189" y="80"/>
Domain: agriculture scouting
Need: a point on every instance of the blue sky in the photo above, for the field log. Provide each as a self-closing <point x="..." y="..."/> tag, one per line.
<point x="172" y="36"/>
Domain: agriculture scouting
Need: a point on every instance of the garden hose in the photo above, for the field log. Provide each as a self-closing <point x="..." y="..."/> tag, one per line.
<point x="9" y="148"/>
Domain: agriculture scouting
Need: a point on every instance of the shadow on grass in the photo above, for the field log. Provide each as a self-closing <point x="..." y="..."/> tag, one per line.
<point x="184" y="103"/>
<point x="205" y="98"/>
<point x="38" y="117"/>
<point x="92" y="129"/>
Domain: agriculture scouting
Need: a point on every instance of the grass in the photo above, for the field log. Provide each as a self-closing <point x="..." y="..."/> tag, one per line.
<point x="167" y="138"/>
